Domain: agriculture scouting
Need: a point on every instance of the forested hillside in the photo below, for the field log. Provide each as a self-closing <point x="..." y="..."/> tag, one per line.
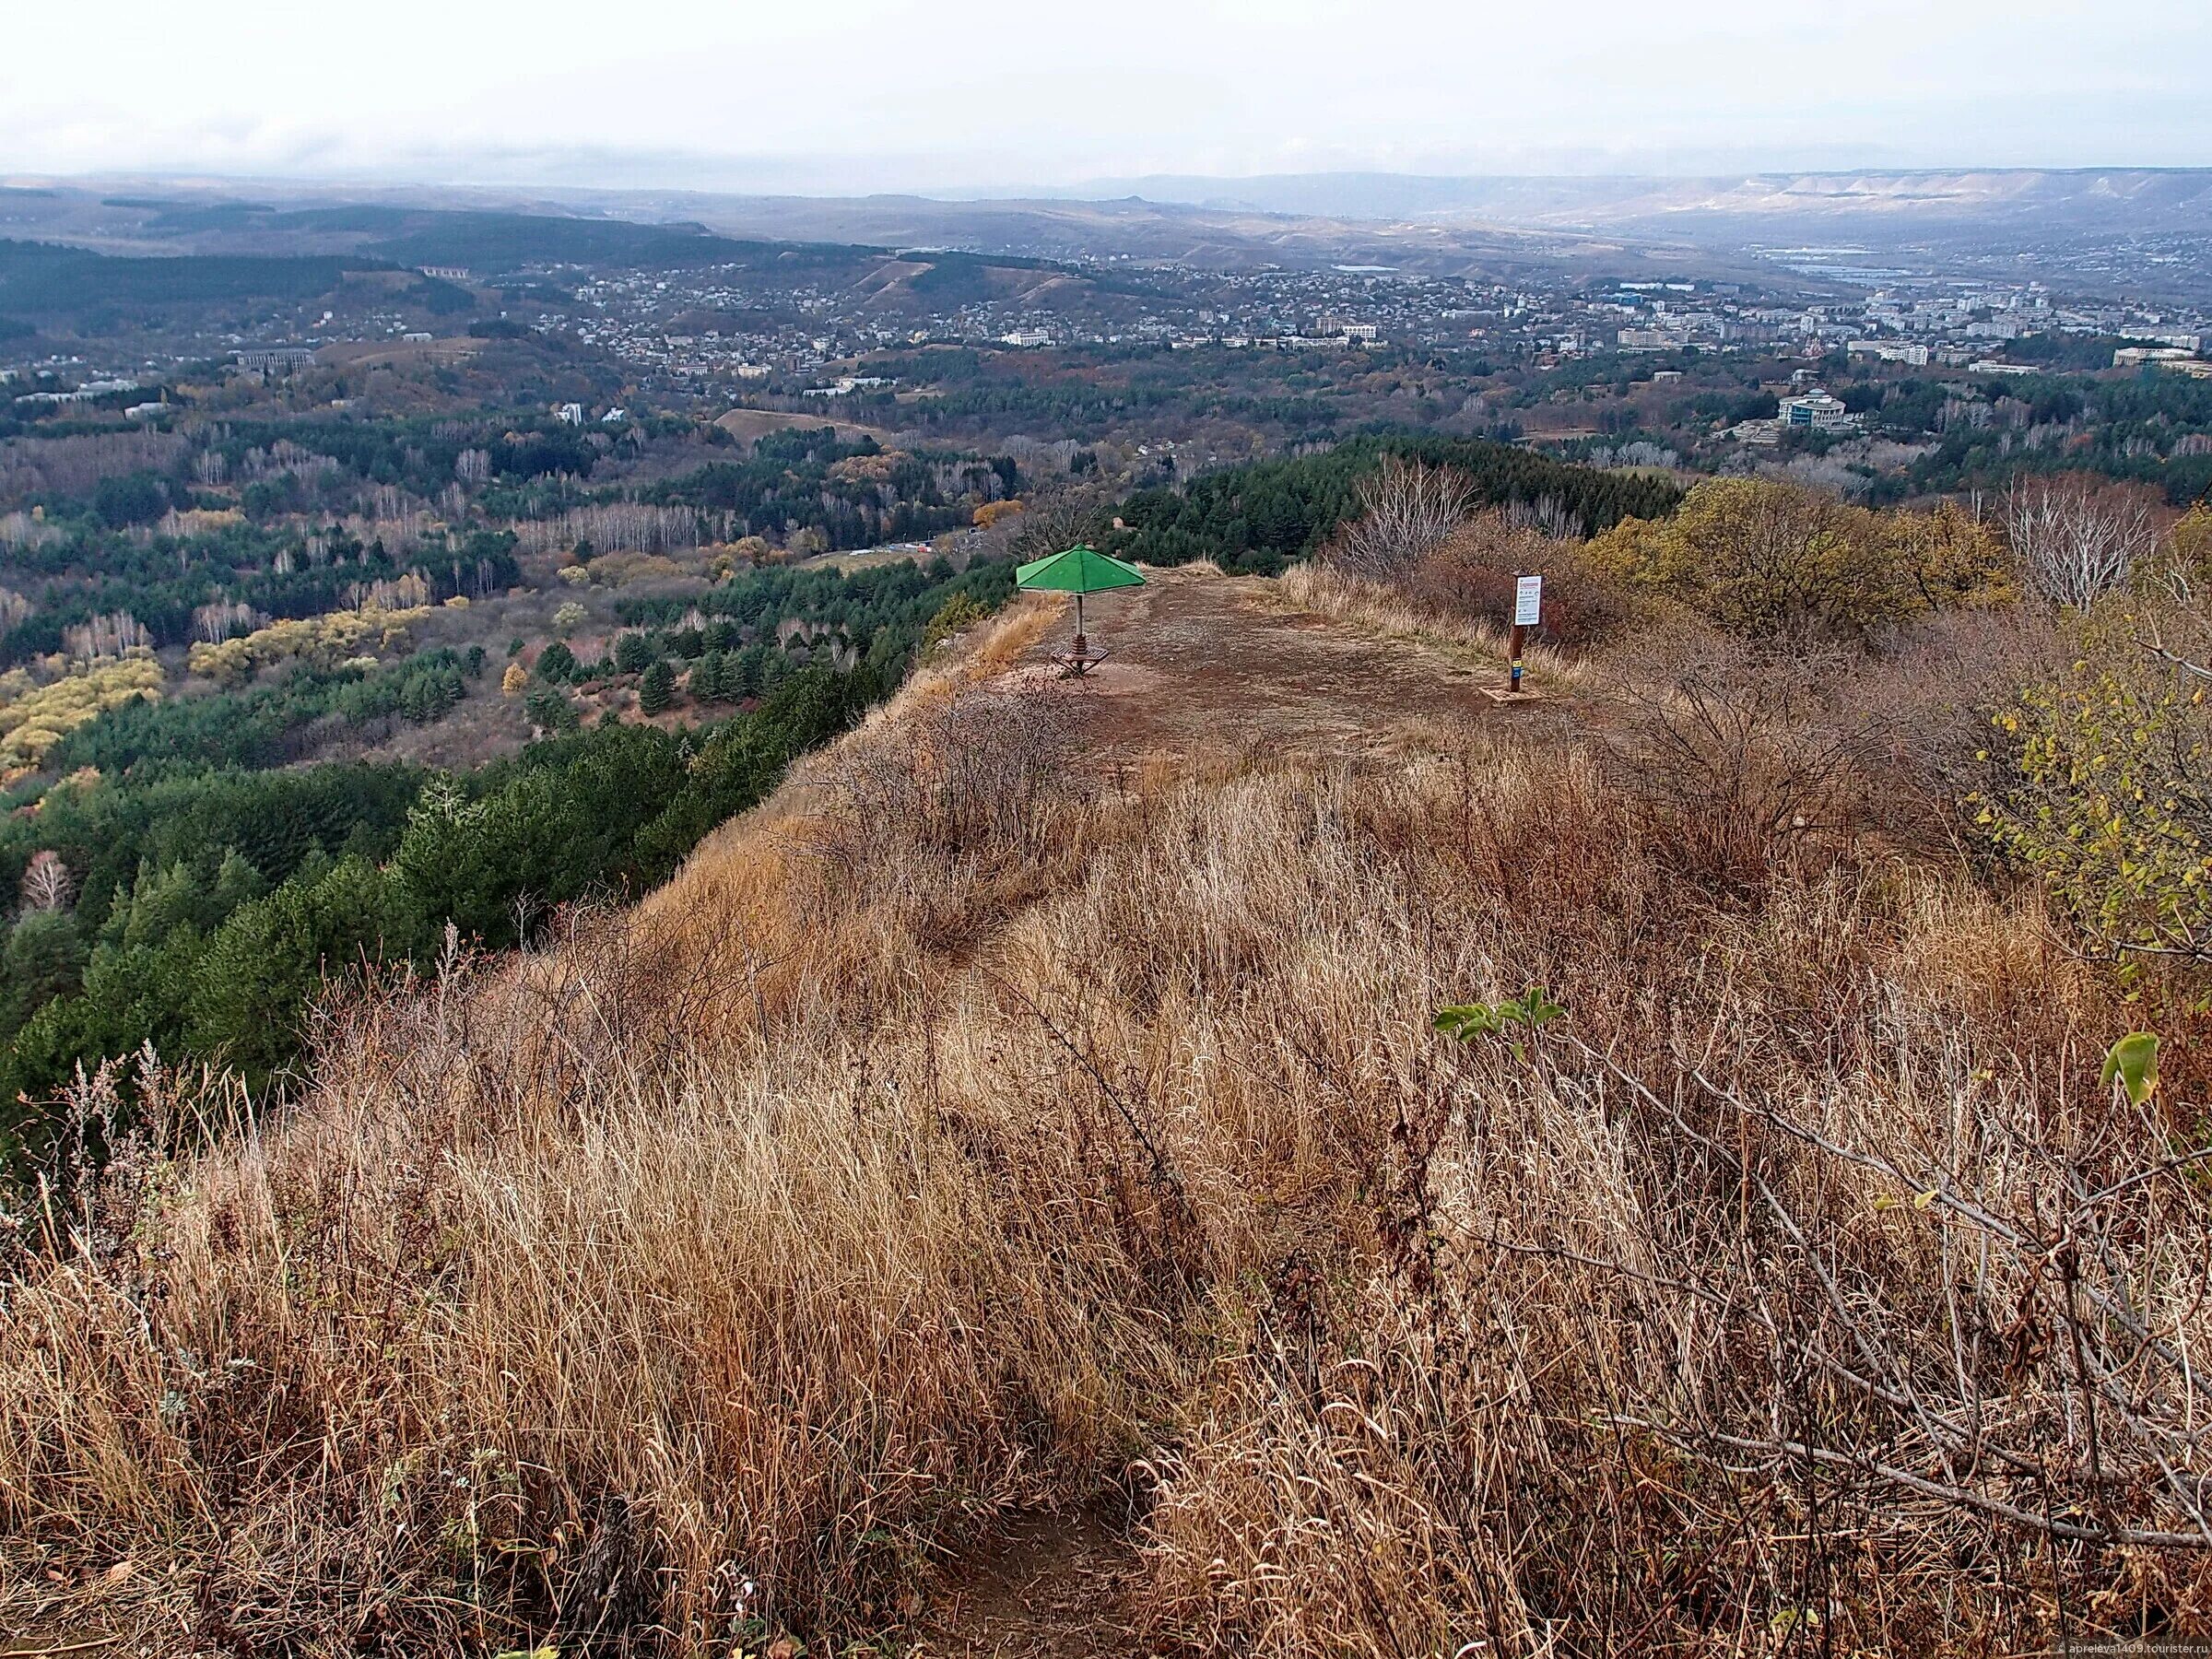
<point x="201" y="903"/>
<point x="1262" y="516"/>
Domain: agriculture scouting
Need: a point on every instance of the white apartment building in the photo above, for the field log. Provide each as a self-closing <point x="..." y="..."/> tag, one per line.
<point x="1891" y="351"/>
<point x="1817" y="411"/>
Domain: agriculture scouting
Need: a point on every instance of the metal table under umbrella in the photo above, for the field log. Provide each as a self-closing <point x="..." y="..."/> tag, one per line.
<point x="1080" y="570"/>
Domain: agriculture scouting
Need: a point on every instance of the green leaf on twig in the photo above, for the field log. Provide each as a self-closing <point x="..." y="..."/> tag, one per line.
<point x="1533" y="1009"/>
<point x="2134" y="1064"/>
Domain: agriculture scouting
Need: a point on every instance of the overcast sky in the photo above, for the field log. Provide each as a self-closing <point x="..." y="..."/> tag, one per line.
<point x="864" y="95"/>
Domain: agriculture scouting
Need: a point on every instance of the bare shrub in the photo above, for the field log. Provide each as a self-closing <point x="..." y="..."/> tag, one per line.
<point x="1738" y="762"/>
<point x="1473" y="573"/>
<point x="1406" y="509"/>
<point x="973" y="769"/>
<point x="1925" y="698"/>
<point x="1551" y="1405"/>
<point x="2077" y="539"/>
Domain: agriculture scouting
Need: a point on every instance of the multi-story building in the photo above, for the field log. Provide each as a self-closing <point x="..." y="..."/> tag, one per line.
<point x="1891" y="351"/>
<point x="273" y="360"/>
<point x="1817" y="411"/>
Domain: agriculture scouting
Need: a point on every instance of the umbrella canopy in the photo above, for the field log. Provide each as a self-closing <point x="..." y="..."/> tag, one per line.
<point x="1080" y="570"/>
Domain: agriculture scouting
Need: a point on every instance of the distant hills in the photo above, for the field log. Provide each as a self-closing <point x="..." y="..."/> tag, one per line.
<point x="81" y="251"/>
<point x="44" y="278"/>
<point x="2085" y="200"/>
<point x="2101" y="230"/>
<point x="973" y="248"/>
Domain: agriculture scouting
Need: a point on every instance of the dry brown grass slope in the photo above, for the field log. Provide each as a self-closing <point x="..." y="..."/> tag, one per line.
<point x="968" y="1132"/>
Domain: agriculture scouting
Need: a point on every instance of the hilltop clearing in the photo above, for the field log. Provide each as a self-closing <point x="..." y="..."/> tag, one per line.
<point x="1008" y="1193"/>
<point x="744" y="425"/>
<point x="1202" y="663"/>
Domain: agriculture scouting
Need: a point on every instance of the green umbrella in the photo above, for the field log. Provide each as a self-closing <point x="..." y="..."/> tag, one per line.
<point x="1080" y="570"/>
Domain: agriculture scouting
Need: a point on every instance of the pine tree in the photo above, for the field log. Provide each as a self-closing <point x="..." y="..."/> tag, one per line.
<point x="656" y="689"/>
<point x="708" y="677"/>
<point x="744" y="678"/>
<point x="550" y="711"/>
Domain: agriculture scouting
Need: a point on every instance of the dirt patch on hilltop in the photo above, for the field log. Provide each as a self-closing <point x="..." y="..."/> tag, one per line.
<point x="1202" y="663"/>
<point x="746" y="425"/>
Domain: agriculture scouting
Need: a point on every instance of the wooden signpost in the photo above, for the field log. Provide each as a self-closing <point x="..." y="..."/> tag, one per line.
<point x="1528" y="610"/>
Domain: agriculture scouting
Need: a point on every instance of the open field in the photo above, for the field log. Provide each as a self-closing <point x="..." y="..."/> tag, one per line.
<point x="372" y="353"/>
<point x="749" y="424"/>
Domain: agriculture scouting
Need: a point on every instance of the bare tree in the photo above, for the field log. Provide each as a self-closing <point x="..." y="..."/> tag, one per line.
<point x="2075" y="540"/>
<point x="1052" y="528"/>
<point x="221" y="619"/>
<point x="46" y="884"/>
<point x="1549" y="516"/>
<point x="1405" y="512"/>
<point x="107" y="635"/>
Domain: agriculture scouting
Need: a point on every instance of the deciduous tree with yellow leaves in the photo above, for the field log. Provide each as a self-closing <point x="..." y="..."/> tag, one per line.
<point x="2111" y="801"/>
<point x="1774" y="560"/>
<point x="324" y="642"/>
<point x="33" y="718"/>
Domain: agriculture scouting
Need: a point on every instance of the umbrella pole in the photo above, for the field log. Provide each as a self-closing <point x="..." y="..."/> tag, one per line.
<point x="1082" y="649"/>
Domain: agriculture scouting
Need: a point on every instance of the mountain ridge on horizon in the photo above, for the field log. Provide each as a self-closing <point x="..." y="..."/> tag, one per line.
<point x="2138" y="226"/>
<point x="1942" y="201"/>
<point x="1560" y="199"/>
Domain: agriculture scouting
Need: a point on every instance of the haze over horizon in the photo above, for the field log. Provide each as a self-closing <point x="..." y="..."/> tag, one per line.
<point x="991" y="97"/>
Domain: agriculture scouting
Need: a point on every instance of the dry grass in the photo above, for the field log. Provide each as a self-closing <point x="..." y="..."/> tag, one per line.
<point x="949" y="1138"/>
<point x="1382" y="613"/>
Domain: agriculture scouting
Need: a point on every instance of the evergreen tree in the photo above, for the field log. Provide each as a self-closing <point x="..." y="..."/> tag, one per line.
<point x="264" y="964"/>
<point x="45" y="957"/>
<point x="707" y="678"/>
<point x="748" y="676"/>
<point x="656" y="689"/>
<point x="550" y="710"/>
